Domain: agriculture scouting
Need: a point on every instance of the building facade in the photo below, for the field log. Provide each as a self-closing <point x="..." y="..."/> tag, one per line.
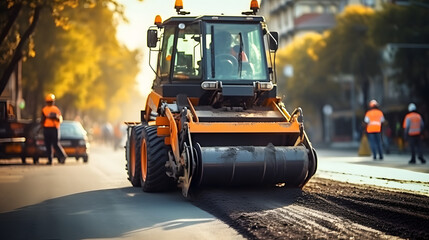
<point x="293" y="18"/>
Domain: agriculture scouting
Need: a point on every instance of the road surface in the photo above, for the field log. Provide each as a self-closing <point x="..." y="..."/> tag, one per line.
<point x="94" y="200"/>
<point x="350" y="197"/>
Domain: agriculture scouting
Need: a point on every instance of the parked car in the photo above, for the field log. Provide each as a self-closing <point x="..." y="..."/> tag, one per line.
<point x="73" y="139"/>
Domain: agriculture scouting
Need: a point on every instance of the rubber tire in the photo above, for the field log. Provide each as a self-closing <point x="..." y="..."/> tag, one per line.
<point x="132" y="155"/>
<point x="156" y="156"/>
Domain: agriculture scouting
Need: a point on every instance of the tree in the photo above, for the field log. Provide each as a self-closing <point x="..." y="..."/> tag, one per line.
<point x="83" y="64"/>
<point x="350" y="50"/>
<point x="15" y="33"/>
<point x="74" y="54"/>
<point x="406" y="29"/>
<point x="65" y="63"/>
<point x="306" y="88"/>
<point x="13" y="57"/>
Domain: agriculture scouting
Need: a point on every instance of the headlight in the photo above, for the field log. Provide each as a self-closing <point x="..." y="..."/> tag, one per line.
<point x="65" y="143"/>
<point x="208" y="85"/>
<point x="82" y="142"/>
<point x="264" y="86"/>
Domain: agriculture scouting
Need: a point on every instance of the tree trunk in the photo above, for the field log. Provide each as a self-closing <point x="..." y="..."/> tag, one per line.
<point x="18" y="51"/>
<point x="11" y="19"/>
<point x="38" y="100"/>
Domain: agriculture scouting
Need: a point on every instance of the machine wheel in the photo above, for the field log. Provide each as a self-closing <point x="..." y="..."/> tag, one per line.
<point x="133" y="155"/>
<point x="154" y="155"/>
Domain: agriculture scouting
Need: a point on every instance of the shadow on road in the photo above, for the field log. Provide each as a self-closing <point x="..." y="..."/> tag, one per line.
<point x="107" y="213"/>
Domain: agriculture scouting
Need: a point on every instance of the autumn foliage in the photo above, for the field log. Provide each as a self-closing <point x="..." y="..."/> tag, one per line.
<point x="73" y="52"/>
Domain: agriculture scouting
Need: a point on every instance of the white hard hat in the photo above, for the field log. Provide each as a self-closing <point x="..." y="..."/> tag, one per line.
<point x="373" y="103"/>
<point x="412" y="107"/>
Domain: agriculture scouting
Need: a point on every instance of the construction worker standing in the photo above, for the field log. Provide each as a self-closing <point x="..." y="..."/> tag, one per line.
<point x="413" y="127"/>
<point x="373" y="119"/>
<point x="51" y="120"/>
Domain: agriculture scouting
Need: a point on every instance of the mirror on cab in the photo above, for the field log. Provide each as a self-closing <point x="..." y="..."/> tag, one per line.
<point x="152" y="38"/>
<point x="274" y="40"/>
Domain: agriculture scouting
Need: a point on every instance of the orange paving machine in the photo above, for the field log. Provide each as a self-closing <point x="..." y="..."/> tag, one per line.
<point x="213" y="117"/>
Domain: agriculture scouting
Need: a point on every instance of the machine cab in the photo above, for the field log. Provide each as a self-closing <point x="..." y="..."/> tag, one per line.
<point x="226" y="51"/>
<point x="208" y="52"/>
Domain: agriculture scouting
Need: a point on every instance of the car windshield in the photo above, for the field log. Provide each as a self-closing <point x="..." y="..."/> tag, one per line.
<point x="72" y="130"/>
<point x="235" y="52"/>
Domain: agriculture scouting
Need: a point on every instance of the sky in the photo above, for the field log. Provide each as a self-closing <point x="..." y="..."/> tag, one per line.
<point x="141" y="15"/>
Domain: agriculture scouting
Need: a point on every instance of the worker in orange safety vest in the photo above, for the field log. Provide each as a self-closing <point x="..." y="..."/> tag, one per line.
<point x="51" y="120"/>
<point x="413" y="126"/>
<point x="374" y="118"/>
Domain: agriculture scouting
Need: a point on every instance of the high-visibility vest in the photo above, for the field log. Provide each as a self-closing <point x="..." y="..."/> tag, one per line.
<point x="243" y="55"/>
<point x="413" y="121"/>
<point x="374" y="118"/>
<point x="50" y="122"/>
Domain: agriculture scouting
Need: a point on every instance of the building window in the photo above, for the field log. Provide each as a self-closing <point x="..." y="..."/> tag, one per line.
<point x="302" y="9"/>
<point x="332" y="9"/>
<point x="318" y="9"/>
<point x="369" y="3"/>
<point x="284" y="18"/>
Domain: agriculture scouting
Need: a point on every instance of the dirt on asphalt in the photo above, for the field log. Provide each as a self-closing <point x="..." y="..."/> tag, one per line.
<point x="323" y="209"/>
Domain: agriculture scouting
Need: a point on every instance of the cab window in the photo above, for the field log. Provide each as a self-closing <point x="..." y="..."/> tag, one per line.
<point x="166" y="53"/>
<point x="187" y="60"/>
<point x="235" y="52"/>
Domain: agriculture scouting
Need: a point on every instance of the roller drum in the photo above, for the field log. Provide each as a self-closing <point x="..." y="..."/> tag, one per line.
<point x="250" y="165"/>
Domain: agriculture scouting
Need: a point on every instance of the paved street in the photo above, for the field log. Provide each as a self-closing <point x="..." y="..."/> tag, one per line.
<point x="393" y="172"/>
<point x="95" y="200"/>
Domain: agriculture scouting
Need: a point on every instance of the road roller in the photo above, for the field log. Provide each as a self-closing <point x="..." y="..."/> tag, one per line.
<point x="213" y="117"/>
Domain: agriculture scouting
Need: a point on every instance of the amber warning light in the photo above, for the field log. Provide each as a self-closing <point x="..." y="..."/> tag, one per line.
<point x="254" y="6"/>
<point x="178" y="5"/>
<point x="158" y="20"/>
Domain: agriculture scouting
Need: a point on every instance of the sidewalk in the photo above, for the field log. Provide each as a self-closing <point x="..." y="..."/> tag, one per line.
<point x="395" y="158"/>
<point x="344" y="164"/>
<point x="392" y="160"/>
